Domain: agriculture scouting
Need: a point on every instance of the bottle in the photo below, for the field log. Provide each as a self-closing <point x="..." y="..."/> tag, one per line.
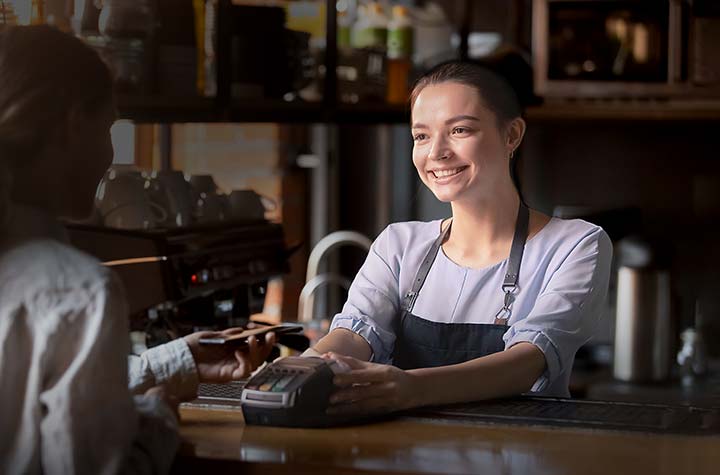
<point x="344" y="24"/>
<point x="37" y="12"/>
<point x="199" y="24"/>
<point x="370" y="29"/>
<point x="399" y="54"/>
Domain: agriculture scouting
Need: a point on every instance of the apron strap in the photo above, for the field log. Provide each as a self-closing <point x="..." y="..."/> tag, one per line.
<point x="516" y="251"/>
<point x="422" y="273"/>
<point x="509" y="284"/>
<point x="511" y="276"/>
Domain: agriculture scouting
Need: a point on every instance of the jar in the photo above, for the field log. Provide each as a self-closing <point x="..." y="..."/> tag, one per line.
<point x="126" y="19"/>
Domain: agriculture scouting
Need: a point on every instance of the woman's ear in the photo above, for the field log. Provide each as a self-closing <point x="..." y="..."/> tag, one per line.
<point x="515" y="132"/>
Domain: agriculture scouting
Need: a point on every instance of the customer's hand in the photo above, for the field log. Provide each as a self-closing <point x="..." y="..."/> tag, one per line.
<point x="161" y="393"/>
<point x="371" y="388"/>
<point x="223" y="363"/>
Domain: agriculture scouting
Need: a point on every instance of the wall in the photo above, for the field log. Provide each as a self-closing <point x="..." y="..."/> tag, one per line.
<point x="258" y="157"/>
<point x="668" y="169"/>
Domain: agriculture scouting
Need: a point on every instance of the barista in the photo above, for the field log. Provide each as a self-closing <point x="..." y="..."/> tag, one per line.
<point x="492" y="302"/>
<point x="67" y="406"/>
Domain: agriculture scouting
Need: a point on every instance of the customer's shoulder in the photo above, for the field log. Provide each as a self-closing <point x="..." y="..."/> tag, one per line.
<point x="47" y="262"/>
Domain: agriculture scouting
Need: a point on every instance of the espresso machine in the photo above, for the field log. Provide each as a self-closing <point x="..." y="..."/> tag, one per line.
<point x="180" y="280"/>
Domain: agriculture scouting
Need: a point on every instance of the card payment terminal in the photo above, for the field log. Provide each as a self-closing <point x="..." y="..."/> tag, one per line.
<point x="291" y="392"/>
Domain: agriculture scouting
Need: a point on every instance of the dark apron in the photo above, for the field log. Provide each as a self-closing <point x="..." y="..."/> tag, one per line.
<point x="421" y="343"/>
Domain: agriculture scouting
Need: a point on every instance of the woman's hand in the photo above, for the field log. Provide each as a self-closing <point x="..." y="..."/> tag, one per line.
<point x="371" y="388"/>
<point x="223" y="363"/>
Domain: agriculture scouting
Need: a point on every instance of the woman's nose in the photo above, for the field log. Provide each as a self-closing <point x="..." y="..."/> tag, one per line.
<point x="438" y="149"/>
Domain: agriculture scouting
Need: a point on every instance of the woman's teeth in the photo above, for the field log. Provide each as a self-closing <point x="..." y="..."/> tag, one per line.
<point x="444" y="173"/>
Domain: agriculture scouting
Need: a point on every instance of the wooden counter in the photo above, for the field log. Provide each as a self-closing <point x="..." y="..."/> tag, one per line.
<point x="218" y="441"/>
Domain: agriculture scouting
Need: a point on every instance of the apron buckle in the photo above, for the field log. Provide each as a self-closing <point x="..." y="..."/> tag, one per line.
<point x="410" y="299"/>
<point x="502" y="316"/>
<point x="509" y="299"/>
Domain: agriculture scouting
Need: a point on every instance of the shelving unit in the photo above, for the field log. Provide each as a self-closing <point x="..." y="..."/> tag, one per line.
<point x="223" y="108"/>
<point x="186" y="109"/>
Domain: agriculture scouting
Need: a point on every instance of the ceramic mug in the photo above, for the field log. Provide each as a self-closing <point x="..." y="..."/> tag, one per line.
<point x="210" y="205"/>
<point x="172" y="191"/>
<point x="248" y="205"/>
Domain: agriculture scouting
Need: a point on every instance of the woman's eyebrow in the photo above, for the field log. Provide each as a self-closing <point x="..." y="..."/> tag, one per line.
<point x="458" y="118"/>
<point x="451" y="120"/>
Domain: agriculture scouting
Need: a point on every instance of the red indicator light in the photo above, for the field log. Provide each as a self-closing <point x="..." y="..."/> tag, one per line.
<point x="194" y="278"/>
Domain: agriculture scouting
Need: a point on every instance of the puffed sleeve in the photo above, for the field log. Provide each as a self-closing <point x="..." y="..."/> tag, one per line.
<point x="566" y="313"/>
<point x="373" y="300"/>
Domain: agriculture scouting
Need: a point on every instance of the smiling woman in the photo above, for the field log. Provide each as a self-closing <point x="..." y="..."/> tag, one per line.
<point x="443" y="312"/>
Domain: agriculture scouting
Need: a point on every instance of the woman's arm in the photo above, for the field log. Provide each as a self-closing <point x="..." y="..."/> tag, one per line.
<point x="364" y="328"/>
<point x="541" y="347"/>
<point x="346" y="342"/>
<point x="372" y="388"/>
<point x="506" y="373"/>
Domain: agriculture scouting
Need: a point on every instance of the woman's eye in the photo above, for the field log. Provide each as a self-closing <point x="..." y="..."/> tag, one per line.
<point x="417" y="137"/>
<point x="459" y="130"/>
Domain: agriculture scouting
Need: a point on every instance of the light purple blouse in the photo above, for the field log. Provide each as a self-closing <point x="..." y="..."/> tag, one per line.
<point x="561" y="294"/>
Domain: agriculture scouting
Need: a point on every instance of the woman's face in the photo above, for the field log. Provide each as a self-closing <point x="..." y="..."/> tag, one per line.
<point x="459" y="152"/>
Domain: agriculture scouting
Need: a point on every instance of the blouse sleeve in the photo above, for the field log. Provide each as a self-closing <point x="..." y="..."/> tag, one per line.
<point x="567" y="312"/>
<point x="171" y="365"/>
<point x="373" y="301"/>
<point x="89" y="423"/>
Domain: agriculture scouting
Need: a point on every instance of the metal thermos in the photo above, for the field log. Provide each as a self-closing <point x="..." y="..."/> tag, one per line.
<point x="643" y="325"/>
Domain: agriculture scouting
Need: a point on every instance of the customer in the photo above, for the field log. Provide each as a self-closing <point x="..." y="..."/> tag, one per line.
<point x="66" y="404"/>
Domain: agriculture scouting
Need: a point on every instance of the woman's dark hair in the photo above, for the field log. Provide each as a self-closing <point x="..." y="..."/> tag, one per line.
<point x="493" y="86"/>
<point x="45" y="74"/>
<point x="496" y="93"/>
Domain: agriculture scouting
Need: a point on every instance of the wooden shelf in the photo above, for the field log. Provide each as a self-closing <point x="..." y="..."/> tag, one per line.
<point x="164" y="109"/>
<point x="626" y="110"/>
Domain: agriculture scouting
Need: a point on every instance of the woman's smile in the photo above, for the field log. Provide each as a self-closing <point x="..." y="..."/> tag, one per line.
<point x="444" y="175"/>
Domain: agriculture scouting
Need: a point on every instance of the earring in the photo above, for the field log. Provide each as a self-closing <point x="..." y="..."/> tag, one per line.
<point x="512" y="154"/>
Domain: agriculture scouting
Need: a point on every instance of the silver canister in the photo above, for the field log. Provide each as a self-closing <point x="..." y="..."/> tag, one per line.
<point x="643" y="325"/>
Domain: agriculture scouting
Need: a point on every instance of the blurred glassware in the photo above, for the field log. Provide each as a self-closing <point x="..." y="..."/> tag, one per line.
<point x="433" y="36"/>
<point x="123" y="200"/>
<point x="692" y="356"/>
<point x="127" y="29"/>
<point x="126" y="19"/>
